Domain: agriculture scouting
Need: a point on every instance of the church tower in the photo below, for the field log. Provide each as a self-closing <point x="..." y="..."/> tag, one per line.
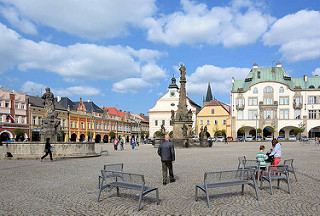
<point x="208" y="96"/>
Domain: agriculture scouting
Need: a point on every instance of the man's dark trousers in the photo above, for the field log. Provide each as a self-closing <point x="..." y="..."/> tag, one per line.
<point x="165" y="166"/>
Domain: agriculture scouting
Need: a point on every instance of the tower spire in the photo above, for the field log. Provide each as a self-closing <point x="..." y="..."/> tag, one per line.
<point x="209" y="94"/>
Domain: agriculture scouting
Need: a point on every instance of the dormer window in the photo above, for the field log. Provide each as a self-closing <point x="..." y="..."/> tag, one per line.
<point x="258" y="74"/>
<point x="255" y="90"/>
<point x="268" y="89"/>
<point x="281" y="90"/>
<point x="311" y="87"/>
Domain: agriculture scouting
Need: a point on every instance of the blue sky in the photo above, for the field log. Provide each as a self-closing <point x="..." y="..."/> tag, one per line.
<point x="123" y="53"/>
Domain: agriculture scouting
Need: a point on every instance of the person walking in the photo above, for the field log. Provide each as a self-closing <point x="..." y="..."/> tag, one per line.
<point x="133" y="143"/>
<point x="115" y="144"/>
<point x="121" y="145"/>
<point x="47" y="150"/>
<point x="167" y="154"/>
<point x="276" y="152"/>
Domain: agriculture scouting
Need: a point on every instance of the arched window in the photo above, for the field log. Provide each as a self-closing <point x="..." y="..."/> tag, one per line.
<point x="281" y="89"/>
<point x="311" y="87"/>
<point x="255" y="90"/>
<point x="268" y="89"/>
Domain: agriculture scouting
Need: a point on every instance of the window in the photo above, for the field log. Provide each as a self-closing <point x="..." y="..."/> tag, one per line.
<point x="281" y="90"/>
<point x="0" y="103"/>
<point x="201" y="122"/>
<point x="23" y="121"/>
<point x="34" y="120"/>
<point x="76" y="124"/>
<point x="82" y="125"/>
<point x="255" y="90"/>
<point x="212" y="111"/>
<point x="297" y="114"/>
<point x="284" y="100"/>
<point x="240" y="101"/>
<point x="22" y="106"/>
<point x="259" y="74"/>
<point x="215" y="122"/>
<point x="16" y="105"/>
<point x="252" y="114"/>
<point x="312" y="114"/>
<point x="312" y="100"/>
<point x="253" y="101"/>
<point x="268" y="114"/>
<point x="240" y="114"/>
<point x="7" y="104"/>
<point x="71" y="124"/>
<point x="208" y="122"/>
<point x="268" y="101"/>
<point x="16" y="119"/>
<point x="156" y="122"/>
<point x="163" y="122"/>
<point x="268" y="89"/>
<point x="88" y="125"/>
<point x="224" y="122"/>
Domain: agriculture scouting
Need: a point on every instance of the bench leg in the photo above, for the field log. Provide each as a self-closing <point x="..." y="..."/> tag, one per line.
<point x="207" y="195"/>
<point x="270" y="182"/>
<point x="294" y="173"/>
<point x="288" y="182"/>
<point x="157" y="196"/>
<point x="118" y="193"/>
<point x="99" y="195"/>
<point x="139" y="204"/>
<point x="196" y="197"/>
<point x="242" y="189"/>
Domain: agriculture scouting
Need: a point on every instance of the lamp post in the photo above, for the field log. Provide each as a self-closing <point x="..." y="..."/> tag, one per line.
<point x="256" y="116"/>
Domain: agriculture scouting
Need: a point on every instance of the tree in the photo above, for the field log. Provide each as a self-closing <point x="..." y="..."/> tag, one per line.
<point x="89" y="135"/>
<point x="259" y="131"/>
<point x="299" y="130"/>
<point x="216" y="131"/>
<point x="223" y="132"/>
<point x="19" y="134"/>
<point x="272" y="130"/>
<point x="112" y="134"/>
<point x="242" y="130"/>
<point x="157" y="134"/>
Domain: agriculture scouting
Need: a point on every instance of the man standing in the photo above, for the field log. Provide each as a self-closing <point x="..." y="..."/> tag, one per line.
<point x="166" y="152"/>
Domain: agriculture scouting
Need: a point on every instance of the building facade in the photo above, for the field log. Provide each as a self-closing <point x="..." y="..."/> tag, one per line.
<point x="216" y="116"/>
<point x="270" y="99"/>
<point x="13" y="114"/>
<point x="160" y="114"/>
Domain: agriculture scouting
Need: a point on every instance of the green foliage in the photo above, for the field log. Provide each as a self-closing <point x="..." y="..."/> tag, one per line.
<point x="89" y="134"/>
<point x="259" y="130"/>
<point x="157" y="133"/>
<point x="112" y="134"/>
<point x="242" y="130"/>
<point x="19" y="134"/>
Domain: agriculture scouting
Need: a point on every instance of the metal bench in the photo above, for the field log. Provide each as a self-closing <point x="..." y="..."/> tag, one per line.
<point x="289" y="163"/>
<point x="104" y="151"/>
<point x="241" y="162"/>
<point x="227" y="178"/>
<point x="111" y="167"/>
<point x="129" y="181"/>
<point x="276" y="172"/>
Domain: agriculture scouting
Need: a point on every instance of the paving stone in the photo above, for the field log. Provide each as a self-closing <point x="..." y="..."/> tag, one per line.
<point x="69" y="186"/>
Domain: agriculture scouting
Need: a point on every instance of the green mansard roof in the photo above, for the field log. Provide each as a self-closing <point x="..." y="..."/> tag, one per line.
<point x="274" y="74"/>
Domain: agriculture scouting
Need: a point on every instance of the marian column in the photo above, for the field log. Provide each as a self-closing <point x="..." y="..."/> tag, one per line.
<point x="182" y="124"/>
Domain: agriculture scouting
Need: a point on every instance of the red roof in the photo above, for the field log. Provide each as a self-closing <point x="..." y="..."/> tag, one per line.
<point x="114" y="111"/>
<point x="215" y="102"/>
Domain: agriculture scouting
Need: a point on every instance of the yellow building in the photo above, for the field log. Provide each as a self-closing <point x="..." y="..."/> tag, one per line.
<point x="216" y="116"/>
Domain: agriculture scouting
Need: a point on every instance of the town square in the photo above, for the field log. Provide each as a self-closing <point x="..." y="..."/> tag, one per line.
<point x="182" y="107"/>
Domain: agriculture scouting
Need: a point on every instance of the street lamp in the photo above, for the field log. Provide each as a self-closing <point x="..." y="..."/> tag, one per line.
<point x="256" y="116"/>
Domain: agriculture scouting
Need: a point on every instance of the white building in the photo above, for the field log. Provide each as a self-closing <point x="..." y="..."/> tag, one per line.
<point x="269" y="97"/>
<point x="160" y="114"/>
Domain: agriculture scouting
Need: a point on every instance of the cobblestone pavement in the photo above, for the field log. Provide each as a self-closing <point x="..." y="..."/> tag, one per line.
<point x="69" y="186"/>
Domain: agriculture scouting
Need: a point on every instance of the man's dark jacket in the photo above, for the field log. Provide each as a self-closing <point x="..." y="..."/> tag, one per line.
<point x="166" y="151"/>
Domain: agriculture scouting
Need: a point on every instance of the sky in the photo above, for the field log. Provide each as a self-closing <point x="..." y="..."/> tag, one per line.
<point x="123" y="53"/>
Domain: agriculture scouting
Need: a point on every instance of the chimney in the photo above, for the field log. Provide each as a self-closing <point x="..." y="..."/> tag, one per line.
<point x="279" y="64"/>
<point x="58" y="98"/>
<point x="305" y="77"/>
<point x="255" y="65"/>
<point x="232" y="80"/>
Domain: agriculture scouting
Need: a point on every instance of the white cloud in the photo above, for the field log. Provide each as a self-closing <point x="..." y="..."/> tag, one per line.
<point x="316" y="72"/>
<point x="220" y="79"/>
<point x="298" y="35"/>
<point x="24" y="25"/>
<point x="239" y="24"/>
<point x="78" y="90"/>
<point x="95" y="19"/>
<point x="33" y="88"/>
<point x="151" y="75"/>
<point x="76" y="61"/>
<point x="130" y="85"/>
